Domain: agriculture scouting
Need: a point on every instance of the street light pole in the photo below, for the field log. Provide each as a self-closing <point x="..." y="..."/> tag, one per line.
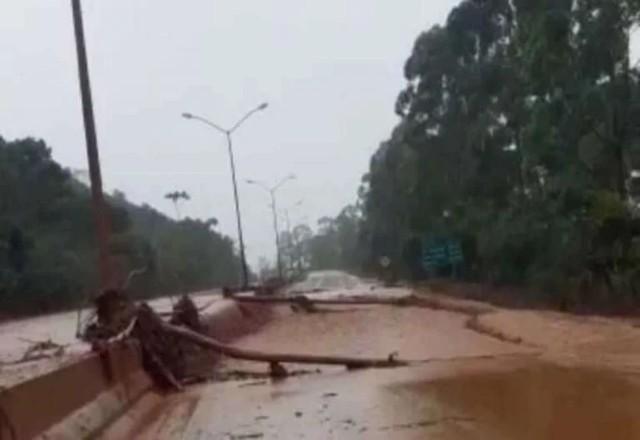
<point x="274" y="209"/>
<point x="228" y="135"/>
<point x="286" y="213"/>
<point x="243" y="257"/>
<point x="276" y="230"/>
<point x="103" y="227"/>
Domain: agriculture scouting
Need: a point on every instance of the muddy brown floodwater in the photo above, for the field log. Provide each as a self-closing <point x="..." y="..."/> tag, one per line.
<point x="18" y="335"/>
<point x="464" y="385"/>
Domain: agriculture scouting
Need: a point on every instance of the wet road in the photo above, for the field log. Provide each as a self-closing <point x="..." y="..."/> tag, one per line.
<point x="467" y="386"/>
<point x="481" y="399"/>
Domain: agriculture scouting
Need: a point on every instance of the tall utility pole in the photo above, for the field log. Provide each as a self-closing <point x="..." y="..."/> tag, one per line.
<point x="103" y="228"/>
<point x="228" y="134"/>
<point x="274" y="208"/>
<point x="272" y="193"/>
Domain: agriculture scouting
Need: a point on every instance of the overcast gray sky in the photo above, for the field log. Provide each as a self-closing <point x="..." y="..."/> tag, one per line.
<point x="330" y="69"/>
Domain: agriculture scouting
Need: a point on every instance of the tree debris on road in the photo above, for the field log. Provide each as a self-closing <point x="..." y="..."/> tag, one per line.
<point x="169" y="346"/>
<point x="38" y="350"/>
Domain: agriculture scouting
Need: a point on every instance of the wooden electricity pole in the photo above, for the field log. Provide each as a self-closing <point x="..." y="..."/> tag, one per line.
<point x="99" y="210"/>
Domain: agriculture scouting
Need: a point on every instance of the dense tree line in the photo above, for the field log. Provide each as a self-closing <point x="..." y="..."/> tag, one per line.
<point x="519" y="134"/>
<point x="334" y="245"/>
<point x="519" y="137"/>
<point x="47" y="244"/>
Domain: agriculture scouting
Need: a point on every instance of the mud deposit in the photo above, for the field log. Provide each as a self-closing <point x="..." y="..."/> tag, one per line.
<point x="538" y="401"/>
<point x="512" y="398"/>
<point x="470" y="386"/>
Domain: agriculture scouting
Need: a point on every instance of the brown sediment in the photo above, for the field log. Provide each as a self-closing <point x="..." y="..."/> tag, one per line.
<point x="541" y="401"/>
<point x="478" y="379"/>
<point x="475" y="385"/>
<point x="473" y="323"/>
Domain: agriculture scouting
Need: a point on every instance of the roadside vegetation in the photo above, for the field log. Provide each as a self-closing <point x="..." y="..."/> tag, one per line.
<point x="519" y="136"/>
<point x="47" y="244"/>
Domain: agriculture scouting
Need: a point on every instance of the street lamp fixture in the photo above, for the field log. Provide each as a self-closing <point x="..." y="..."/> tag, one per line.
<point x="272" y="193"/>
<point x="228" y="133"/>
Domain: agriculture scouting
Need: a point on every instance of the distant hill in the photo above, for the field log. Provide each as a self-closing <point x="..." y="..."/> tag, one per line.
<point x="47" y="246"/>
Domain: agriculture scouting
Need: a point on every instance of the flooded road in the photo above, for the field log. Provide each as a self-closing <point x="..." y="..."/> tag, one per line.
<point x="542" y="401"/>
<point x="17" y="336"/>
<point x="510" y="399"/>
<point x="463" y="385"/>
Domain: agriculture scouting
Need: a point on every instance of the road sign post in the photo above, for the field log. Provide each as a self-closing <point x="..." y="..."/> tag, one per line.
<point x="441" y="253"/>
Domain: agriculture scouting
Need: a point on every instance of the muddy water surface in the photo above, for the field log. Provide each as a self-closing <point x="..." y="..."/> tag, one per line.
<point x="540" y="401"/>
<point x="17" y="336"/>
<point x="485" y="399"/>
<point x="474" y="387"/>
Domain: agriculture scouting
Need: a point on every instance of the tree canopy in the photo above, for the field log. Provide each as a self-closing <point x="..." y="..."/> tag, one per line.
<point x="518" y="135"/>
<point x="47" y="245"/>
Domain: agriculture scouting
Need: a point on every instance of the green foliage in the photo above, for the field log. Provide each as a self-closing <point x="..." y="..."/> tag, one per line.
<point x="518" y="133"/>
<point x="47" y="244"/>
<point x="335" y="245"/>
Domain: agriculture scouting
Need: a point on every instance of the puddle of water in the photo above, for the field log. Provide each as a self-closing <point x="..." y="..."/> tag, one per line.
<point x="541" y="402"/>
<point x="490" y="399"/>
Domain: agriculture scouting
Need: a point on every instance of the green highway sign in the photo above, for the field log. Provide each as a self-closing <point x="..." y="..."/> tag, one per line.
<point x="439" y="253"/>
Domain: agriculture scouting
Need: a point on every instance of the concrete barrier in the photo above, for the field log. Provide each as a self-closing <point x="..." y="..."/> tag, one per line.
<point x="32" y="407"/>
<point x="80" y="399"/>
<point x="231" y="319"/>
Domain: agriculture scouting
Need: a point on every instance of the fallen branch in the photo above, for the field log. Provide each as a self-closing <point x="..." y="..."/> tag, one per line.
<point x="165" y="371"/>
<point x="168" y="349"/>
<point x="41" y="350"/>
<point x="307" y="300"/>
<point x="31" y="358"/>
<point x="259" y="356"/>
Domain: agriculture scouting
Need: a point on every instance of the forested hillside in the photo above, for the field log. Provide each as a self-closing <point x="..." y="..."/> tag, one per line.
<point x="47" y="245"/>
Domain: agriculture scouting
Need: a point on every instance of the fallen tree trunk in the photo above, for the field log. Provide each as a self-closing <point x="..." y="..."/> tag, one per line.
<point x="304" y="299"/>
<point x="259" y="356"/>
<point x="168" y="349"/>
